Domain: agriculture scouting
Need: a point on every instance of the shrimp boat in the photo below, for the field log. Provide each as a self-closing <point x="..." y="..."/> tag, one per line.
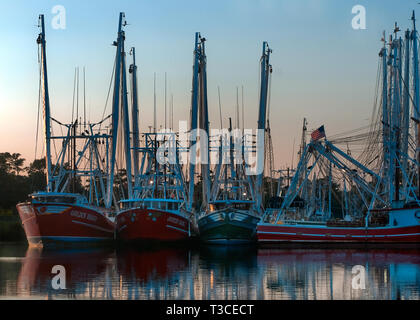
<point x="155" y="208"/>
<point x="57" y="218"/>
<point x="229" y="212"/>
<point x="334" y="198"/>
<point x="76" y="207"/>
<point x="229" y="216"/>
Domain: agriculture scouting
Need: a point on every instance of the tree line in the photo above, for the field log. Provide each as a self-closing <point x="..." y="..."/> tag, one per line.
<point x="17" y="181"/>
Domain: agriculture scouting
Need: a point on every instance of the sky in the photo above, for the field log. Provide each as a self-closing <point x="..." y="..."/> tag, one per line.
<point x="323" y="69"/>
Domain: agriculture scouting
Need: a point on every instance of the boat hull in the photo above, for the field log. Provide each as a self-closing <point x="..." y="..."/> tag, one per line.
<point x="140" y="224"/>
<point x="227" y="227"/>
<point x="270" y="233"/>
<point x="403" y="227"/>
<point x="64" y="224"/>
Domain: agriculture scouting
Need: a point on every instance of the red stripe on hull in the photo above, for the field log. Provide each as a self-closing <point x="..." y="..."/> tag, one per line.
<point x="156" y="225"/>
<point x="282" y="233"/>
<point x="56" y="221"/>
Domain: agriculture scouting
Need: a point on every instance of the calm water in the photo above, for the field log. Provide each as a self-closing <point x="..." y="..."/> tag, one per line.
<point x="209" y="273"/>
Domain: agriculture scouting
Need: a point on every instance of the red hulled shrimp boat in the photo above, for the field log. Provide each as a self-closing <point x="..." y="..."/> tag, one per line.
<point x="375" y="198"/>
<point x="60" y="218"/>
<point x="76" y="206"/>
<point x="157" y="211"/>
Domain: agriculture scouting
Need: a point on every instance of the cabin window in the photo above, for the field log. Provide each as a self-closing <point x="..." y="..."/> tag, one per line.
<point x="173" y="206"/>
<point x="55" y="199"/>
<point x="163" y="205"/>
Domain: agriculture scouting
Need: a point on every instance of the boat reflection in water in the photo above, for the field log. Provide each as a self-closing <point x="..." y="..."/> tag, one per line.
<point x="215" y="272"/>
<point x="228" y="272"/>
<point x="84" y="269"/>
<point x="153" y="274"/>
<point x="327" y="274"/>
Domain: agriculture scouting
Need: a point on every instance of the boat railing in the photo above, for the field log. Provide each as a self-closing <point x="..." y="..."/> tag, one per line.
<point x="159" y="204"/>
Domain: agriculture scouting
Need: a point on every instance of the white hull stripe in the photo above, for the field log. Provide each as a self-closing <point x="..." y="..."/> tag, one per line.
<point x="176" y="228"/>
<point x="92" y="226"/>
<point x="353" y="236"/>
<point x="67" y="237"/>
<point x="324" y="227"/>
<point x="315" y="241"/>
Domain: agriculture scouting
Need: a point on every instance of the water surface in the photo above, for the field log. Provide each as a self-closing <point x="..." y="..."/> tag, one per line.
<point x="209" y="273"/>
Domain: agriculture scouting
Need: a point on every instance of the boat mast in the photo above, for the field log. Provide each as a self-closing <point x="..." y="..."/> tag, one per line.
<point x="193" y="125"/>
<point x="115" y="109"/>
<point x="406" y="106"/>
<point x="126" y="122"/>
<point x="265" y="73"/>
<point x="135" y="116"/>
<point x="416" y="94"/>
<point x="396" y="111"/>
<point x="46" y="103"/>
<point x="301" y="148"/>
<point x="385" y="113"/>
<point x="204" y="125"/>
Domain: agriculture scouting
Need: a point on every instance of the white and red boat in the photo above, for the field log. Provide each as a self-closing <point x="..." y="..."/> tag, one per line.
<point x="403" y="226"/>
<point x="60" y="218"/>
<point x="155" y="205"/>
<point x="306" y="211"/>
<point x="76" y="207"/>
<point x="153" y="220"/>
<point x="156" y="211"/>
<point x="335" y="198"/>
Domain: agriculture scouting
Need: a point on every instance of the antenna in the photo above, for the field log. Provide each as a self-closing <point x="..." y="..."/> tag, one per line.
<point x="165" y="100"/>
<point x="77" y="95"/>
<point x="154" y="102"/>
<point x="84" y="99"/>
<point x="74" y="94"/>
<point x="396" y="30"/>
<point x="243" y="112"/>
<point x="172" y="111"/>
<point x="220" y="108"/>
<point x="237" y="108"/>
<point x="293" y="153"/>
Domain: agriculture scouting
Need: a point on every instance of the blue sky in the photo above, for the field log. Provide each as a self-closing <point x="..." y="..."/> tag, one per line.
<point x="322" y="69"/>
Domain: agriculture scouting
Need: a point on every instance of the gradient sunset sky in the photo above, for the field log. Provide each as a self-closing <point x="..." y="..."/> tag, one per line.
<point x="323" y="69"/>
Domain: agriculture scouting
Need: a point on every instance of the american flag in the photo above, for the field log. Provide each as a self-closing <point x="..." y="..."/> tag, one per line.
<point x="318" y="134"/>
